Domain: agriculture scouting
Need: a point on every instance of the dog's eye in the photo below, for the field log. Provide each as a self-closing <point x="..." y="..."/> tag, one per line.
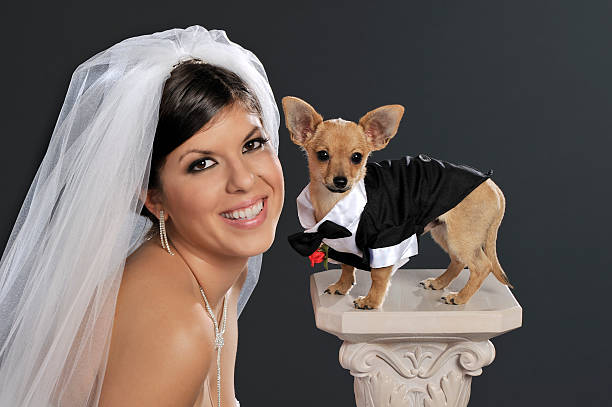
<point x="356" y="158"/>
<point x="322" y="155"/>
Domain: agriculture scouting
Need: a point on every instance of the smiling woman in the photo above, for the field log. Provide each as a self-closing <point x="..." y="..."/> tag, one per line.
<point x="141" y="237"/>
<point x="220" y="193"/>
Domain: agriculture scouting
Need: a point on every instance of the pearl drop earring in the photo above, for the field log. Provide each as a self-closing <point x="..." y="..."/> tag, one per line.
<point x="162" y="232"/>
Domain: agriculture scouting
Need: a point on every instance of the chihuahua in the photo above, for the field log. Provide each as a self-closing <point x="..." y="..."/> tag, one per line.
<point x="463" y="218"/>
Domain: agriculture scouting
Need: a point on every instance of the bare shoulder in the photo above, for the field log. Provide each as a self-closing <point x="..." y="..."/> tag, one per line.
<point x="160" y="348"/>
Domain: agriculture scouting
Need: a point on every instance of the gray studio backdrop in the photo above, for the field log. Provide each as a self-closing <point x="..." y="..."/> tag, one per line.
<point x="520" y="87"/>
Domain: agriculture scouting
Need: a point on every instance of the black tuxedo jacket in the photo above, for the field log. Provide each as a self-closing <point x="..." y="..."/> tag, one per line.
<point x="403" y="196"/>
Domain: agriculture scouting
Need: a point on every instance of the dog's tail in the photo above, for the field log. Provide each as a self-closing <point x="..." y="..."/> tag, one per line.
<point x="491" y="242"/>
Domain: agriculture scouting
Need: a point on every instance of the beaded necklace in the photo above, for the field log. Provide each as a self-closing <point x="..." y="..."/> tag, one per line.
<point x="218" y="332"/>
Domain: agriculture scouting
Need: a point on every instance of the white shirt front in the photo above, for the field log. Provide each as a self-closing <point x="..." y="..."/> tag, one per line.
<point x="347" y="213"/>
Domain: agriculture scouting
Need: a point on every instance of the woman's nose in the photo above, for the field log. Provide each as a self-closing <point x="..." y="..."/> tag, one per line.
<point x="241" y="176"/>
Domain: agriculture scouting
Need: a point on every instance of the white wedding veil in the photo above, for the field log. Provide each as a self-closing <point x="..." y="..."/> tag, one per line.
<point x="62" y="265"/>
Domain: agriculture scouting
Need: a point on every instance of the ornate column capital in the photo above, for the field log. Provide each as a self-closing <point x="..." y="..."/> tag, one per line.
<point x="430" y="372"/>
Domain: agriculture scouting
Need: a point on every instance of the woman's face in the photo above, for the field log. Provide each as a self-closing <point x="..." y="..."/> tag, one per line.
<point x="223" y="188"/>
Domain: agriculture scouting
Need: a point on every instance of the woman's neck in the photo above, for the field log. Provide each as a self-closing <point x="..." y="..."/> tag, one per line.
<point x="215" y="273"/>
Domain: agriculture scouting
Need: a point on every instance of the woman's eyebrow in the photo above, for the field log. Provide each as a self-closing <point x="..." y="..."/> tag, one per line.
<point x="207" y="152"/>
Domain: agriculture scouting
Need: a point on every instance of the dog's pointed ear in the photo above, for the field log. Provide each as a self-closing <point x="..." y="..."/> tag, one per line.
<point x="300" y="118"/>
<point x="380" y="125"/>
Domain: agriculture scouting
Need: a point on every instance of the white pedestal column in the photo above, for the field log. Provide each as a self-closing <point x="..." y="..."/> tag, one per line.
<point x="416" y="350"/>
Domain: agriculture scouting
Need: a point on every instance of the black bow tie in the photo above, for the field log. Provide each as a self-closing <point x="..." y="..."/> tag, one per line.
<point x="306" y="243"/>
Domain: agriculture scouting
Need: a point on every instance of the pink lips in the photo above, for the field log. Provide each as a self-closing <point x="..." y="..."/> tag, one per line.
<point x="246" y="204"/>
<point x="249" y="223"/>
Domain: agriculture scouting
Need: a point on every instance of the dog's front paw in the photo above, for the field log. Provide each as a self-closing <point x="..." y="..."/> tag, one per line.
<point x="429" y="284"/>
<point x="340" y="288"/>
<point x="366" y="302"/>
<point x="453" y="299"/>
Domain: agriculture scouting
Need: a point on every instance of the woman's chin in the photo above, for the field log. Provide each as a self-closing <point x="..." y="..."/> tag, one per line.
<point x="252" y="247"/>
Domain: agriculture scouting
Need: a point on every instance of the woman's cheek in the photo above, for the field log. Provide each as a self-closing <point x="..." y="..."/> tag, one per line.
<point x="277" y="171"/>
<point x="196" y="198"/>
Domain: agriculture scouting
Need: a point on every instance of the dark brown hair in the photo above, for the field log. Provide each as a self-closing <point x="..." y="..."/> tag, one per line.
<point x="193" y="94"/>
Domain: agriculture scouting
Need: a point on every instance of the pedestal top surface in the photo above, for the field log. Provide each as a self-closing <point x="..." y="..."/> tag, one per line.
<point x="410" y="310"/>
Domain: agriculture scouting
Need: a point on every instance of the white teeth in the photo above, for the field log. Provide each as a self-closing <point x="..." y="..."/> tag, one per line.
<point x="247" y="213"/>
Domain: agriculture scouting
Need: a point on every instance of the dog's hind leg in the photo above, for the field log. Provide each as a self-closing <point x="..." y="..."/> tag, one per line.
<point x="480" y="266"/>
<point x="467" y="227"/>
<point x="439" y="234"/>
<point x="444" y="279"/>
<point x="345" y="283"/>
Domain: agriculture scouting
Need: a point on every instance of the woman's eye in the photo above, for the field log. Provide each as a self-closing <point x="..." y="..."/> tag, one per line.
<point x="254" y="144"/>
<point x="201" y="164"/>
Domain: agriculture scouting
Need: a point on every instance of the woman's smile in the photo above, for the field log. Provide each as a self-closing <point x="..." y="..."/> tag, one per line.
<point x="248" y="217"/>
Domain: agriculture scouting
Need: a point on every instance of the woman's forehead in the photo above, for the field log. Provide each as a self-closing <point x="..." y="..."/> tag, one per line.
<point x="233" y="117"/>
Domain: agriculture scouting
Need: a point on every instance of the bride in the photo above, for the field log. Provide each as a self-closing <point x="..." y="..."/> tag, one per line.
<point x="140" y="239"/>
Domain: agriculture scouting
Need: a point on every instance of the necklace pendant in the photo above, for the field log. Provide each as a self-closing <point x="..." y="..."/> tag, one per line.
<point x="219" y="340"/>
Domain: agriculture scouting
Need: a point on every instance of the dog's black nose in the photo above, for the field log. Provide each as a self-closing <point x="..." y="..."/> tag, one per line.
<point x="340" y="182"/>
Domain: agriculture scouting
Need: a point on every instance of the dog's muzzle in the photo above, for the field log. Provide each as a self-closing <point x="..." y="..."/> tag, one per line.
<point x="337" y="190"/>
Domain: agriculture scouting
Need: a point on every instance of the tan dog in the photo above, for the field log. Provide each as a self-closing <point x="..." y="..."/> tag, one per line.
<point x="467" y="232"/>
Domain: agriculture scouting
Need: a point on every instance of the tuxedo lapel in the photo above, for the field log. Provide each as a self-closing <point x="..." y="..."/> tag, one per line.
<point x="346" y="213"/>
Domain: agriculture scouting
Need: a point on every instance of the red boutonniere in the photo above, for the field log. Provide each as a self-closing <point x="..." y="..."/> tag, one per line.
<point x="320" y="255"/>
